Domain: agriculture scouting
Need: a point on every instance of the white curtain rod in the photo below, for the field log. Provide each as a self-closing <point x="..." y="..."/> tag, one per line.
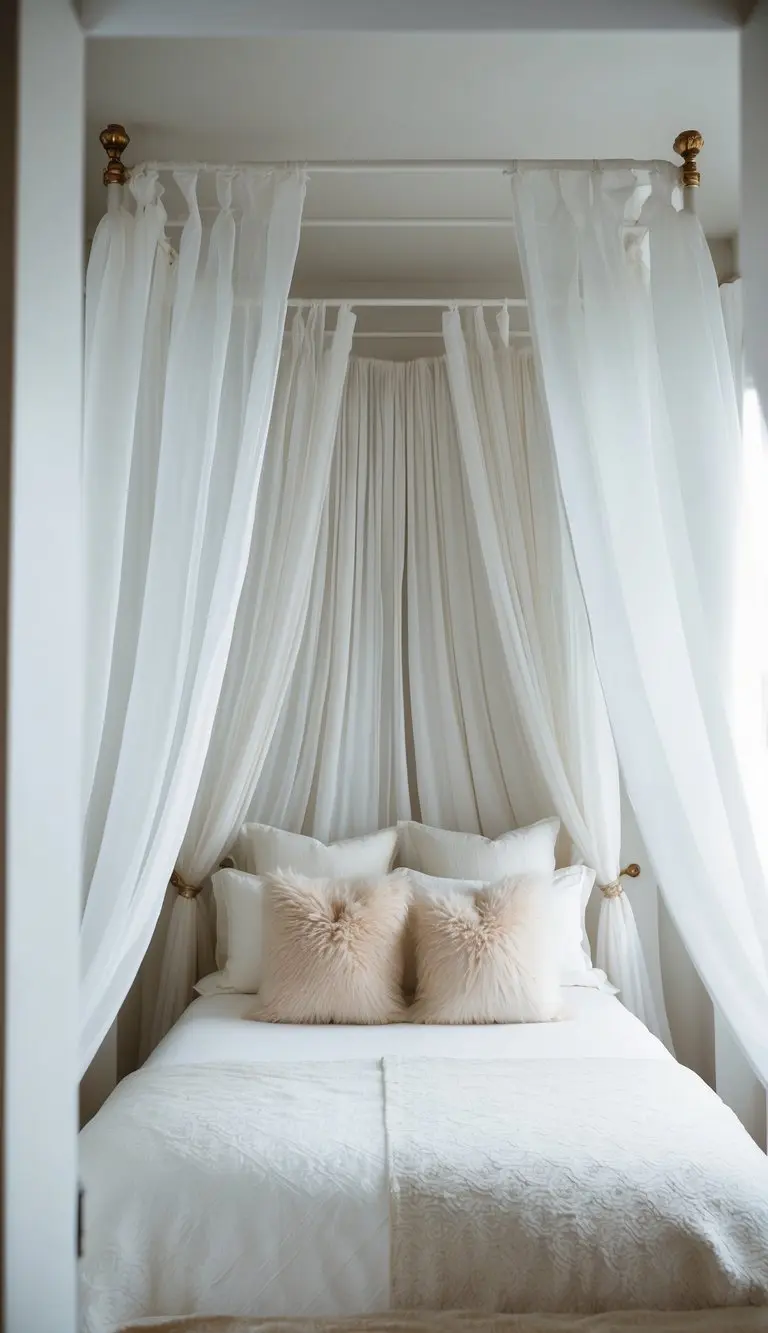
<point x="407" y="302"/>
<point x="397" y="334"/>
<point x="421" y="167"/>
<point x="375" y="224"/>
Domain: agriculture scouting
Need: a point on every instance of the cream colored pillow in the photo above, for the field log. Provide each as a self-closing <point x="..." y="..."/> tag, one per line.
<point x="333" y="949"/>
<point x="492" y="956"/>
<point x="436" y="851"/>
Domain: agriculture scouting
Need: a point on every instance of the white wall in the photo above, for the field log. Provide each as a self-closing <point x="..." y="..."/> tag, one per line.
<point x="43" y="880"/>
<point x="754" y="186"/>
<point x="238" y="17"/>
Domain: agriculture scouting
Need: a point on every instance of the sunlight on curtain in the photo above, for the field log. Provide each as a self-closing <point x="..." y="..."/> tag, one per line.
<point x="649" y="460"/>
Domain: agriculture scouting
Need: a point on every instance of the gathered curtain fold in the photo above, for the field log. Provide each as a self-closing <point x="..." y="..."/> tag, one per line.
<point x="639" y="391"/>
<point x="268" y="630"/>
<point x="337" y="765"/>
<point x="542" y="624"/>
<point x="472" y="767"/>
<point x="182" y="356"/>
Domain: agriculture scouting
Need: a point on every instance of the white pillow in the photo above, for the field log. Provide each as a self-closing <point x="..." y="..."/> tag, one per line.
<point x="239" y="929"/>
<point x="572" y="887"/>
<point x="263" y="850"/>
<point x="523" y="851"/>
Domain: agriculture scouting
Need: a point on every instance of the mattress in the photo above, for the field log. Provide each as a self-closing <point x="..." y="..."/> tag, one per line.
<point x="212" y="1030"/>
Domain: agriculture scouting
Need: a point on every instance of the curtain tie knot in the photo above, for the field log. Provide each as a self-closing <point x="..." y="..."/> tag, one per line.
<point x="614" y="888"/>
<point x="183" y="889"/>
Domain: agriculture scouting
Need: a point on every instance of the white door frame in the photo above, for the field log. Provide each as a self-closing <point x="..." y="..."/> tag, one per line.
<point x="239" y="18"/>
<point x="40" y="886"/>
<point x="40" y="458"/>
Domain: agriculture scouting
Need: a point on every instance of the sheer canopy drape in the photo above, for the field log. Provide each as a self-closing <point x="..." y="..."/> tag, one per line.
<point x="181" y="360"/>
<point x="648" y="451"/>
<point x="539" y="609"/>
<point x="337" y="764"/>
<point x="267" y="634"/>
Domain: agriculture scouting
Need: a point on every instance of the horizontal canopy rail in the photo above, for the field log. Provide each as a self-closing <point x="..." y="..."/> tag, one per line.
<point x="409" y="302"/>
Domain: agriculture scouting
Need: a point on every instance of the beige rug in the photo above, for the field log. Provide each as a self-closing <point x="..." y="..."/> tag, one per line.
<point x="732" y="1320"/>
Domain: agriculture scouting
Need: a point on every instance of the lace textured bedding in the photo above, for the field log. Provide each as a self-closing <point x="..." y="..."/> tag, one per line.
<point x="348" y="1186"/>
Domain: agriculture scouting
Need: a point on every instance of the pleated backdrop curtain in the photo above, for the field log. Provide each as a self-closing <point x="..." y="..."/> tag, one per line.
<point x="337" y="765"/>
<point x="539" y="609"/>
<point x="650" y="456"/>
<point x="182" y="355"/>
<point x="265" y="643"/>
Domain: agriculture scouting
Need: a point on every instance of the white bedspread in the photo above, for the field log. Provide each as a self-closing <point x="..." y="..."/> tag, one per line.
<point x="212" y="1030"/>
<point x="261" y="1186"/>
<point x="571" y="1186"/>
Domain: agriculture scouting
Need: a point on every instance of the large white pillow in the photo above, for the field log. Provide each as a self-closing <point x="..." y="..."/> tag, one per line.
<point x="434" y="851"/>
<point x="239" y="901"/>
<point x="571" y="888"/>
<point x="261" y="849"/>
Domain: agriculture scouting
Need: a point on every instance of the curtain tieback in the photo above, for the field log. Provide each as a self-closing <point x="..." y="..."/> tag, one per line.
<point x="613" y="889"/>
<point x="183" y="889"/>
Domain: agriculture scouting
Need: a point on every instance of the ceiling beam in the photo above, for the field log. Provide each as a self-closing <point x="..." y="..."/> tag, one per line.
<point x="244" y="18"/>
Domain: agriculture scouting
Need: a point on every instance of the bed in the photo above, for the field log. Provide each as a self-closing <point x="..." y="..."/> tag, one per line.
<point x="264" y="1170"/>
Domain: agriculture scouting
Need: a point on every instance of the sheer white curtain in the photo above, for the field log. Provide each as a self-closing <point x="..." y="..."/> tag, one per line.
<point x="337" y="763"/>
<point x="268" y="629"/>
<point x="542" y="623"/>
<point x="473" y="770"/>
<point x="640" y="395"/>
<point x="201" y="338"/>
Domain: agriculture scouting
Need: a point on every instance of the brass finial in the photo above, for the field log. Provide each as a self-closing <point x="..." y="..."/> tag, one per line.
<point x="114" y="140"/>
<point x="632" y="870"/>
<point x="688" y="145"/>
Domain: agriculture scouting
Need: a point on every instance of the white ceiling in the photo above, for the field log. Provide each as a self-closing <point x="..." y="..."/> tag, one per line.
<point x="340" y="96"/>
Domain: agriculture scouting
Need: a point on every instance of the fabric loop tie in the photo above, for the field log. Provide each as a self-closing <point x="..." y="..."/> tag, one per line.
<point x="613" y="889"/>
<point x="183" y="889"/>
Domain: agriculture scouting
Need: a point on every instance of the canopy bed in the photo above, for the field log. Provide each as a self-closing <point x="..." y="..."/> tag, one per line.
<point x="343" y="596"/>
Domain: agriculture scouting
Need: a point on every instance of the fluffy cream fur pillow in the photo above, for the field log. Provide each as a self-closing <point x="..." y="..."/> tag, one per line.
<point x="488" y="957"/>
<point x="333" y="949"/>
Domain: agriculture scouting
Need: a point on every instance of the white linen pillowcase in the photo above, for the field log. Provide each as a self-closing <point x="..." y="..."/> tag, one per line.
<point x="570" y="889"/>
<point x="434" y="851"/>
<point x="239" y="899"/>
<point x="261" y="849"/>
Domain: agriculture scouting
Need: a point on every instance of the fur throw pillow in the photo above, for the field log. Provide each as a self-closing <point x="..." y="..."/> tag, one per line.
<point x="491" y="956"/>
<point x="333" y="949"/>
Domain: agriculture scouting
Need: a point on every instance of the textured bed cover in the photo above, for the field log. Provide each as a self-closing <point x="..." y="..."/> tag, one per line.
<point x="261" y="1170"/>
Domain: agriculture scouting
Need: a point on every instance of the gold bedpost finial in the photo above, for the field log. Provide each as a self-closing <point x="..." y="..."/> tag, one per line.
<point x="114" y="140"/>
<point x="688" y="145"/>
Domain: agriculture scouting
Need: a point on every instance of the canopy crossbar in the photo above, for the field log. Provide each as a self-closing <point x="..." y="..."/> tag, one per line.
<point x="688" y="144"/>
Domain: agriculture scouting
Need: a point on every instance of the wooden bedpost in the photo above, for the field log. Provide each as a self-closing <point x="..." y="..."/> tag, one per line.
<point x="688" y="145"/>
<point x="114" y="140"/>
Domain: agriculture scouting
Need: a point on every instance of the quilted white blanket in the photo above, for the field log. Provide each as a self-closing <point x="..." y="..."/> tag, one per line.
<point x="517" y="1185"/>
